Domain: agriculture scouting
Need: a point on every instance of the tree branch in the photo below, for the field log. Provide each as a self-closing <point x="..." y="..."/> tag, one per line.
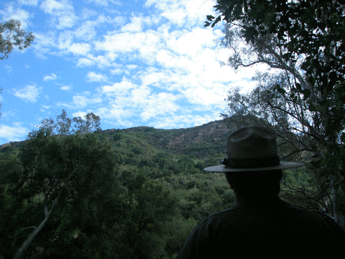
<point x="47" y="213"/>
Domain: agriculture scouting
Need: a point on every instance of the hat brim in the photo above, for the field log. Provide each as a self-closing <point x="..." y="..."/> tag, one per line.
<point x="281" y="166"/>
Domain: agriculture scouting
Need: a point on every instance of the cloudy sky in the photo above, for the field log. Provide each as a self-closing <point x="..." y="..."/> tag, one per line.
<point x="132" y="62"/>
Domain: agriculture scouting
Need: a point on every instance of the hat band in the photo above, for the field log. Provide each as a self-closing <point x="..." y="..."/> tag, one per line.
<point x="251" y="163"/>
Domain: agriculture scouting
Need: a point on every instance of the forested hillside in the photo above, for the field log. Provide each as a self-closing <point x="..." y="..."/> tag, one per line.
<point x="131" y="193"/>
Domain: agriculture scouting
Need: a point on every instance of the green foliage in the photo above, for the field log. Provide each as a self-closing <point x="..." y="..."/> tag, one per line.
<point x="59" y="173"/>
<point x="151" y="205"/>
<point x="65" y="126"/>
<point x="11" y="35"/>
<point x="178" y="229"/>
<point x="131" y="197"/>
<point x="10" y="164"/>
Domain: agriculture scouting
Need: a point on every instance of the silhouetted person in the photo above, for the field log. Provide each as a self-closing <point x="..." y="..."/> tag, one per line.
<point x="260" y="224"/>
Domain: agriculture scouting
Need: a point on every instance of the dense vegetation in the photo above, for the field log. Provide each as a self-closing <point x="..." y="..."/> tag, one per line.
<point x="132" y="193"/>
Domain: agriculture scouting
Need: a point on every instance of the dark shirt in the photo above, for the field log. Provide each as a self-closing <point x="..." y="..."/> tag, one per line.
<point x="271" y="229"/>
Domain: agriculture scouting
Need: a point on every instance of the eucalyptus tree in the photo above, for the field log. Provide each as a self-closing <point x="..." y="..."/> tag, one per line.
<point x="67" y="126"/>
<point x="61" y="170"/>
<point x="304" y="41"/>
<point x="11" y="36"/>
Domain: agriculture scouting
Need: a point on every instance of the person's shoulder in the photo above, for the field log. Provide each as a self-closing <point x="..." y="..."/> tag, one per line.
<point x="226" y="213"/>
<point x="318" y="217"/>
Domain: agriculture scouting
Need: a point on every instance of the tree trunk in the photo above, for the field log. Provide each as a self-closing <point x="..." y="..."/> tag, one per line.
<point x="33" y="234"/>
<point x="338" y="216"/>
<point x="28" y="241"/>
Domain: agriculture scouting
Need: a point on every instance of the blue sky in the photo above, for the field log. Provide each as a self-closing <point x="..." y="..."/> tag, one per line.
<point x="132" y="62"/>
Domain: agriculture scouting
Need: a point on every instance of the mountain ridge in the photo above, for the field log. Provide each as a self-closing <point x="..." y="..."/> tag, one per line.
<point x="200" y="141"/>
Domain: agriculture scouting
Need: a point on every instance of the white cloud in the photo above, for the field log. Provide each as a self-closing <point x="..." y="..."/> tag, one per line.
<point x="144" y="42"/>
<point x="61" y="11"/>
<point x="118" y="89"/>
<point x="79" y="114"/>
<point x="14" y="133"/>
<point x="13" y="12"/>
<point x="132" y="46"/>
<point x="100" y="61"/>
<point x="62" y="43"/>
<point x="159" y="104"/>
<point x="131" y="66"/>
<point x="81" y="101"/>
<point x="120" y="42"/>
<point x="65" y="87"/>
<point x="95" y="77"/>
<point x="43" y="43"/>
<point x="117" y="71"/>
<point x="28" y="93"/>
<point x="138" y="22"/>
<point x="85" y="62"/>
<point x="65" y="39"/>
<point x="52" y="76"/>
<point x="87" y="30"/>
<point x="79" y="48"/>
<point x="134" y="26"/>
<point x="114" y="111"/>
<point x="87" y="13"/>
<point x="183" y="13"/>
<point x="191" y="42"/>
<point x="126" y="100"/>
<point x="158" y="78"/>
<point x="182" y="121"/>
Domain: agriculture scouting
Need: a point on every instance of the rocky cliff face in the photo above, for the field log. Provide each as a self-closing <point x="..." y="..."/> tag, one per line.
<point x="211" y="133"/>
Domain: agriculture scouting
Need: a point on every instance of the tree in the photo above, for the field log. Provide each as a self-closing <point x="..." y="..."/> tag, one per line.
<point x="57" y="171"/>
<point x="11" y="35"/>
<point x="90" y="123"/>
<point x="151" y="206"/>
<point x="303" y="39"/>
<point x="66" y="126"/>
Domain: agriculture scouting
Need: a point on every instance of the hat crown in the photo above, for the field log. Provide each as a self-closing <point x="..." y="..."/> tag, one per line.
<point x="252" y="143"/>
<point x="252" y="149"/>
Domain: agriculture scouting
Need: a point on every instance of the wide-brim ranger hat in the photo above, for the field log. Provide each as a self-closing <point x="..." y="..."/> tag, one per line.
<point x="252" y="149"/>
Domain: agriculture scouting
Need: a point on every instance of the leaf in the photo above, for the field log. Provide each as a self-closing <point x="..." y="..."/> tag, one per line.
<point x="312" y="107"/>
<point x="298" y="87"/>
<point x="206" y="24"/>
<point x="210" y="17"/>
<point x="216" y="21"/>
<point x="306" y="94"/>
<point x="19" y="38"/>
<point x="292" y="96"/>
<point x="280" y="89"/>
